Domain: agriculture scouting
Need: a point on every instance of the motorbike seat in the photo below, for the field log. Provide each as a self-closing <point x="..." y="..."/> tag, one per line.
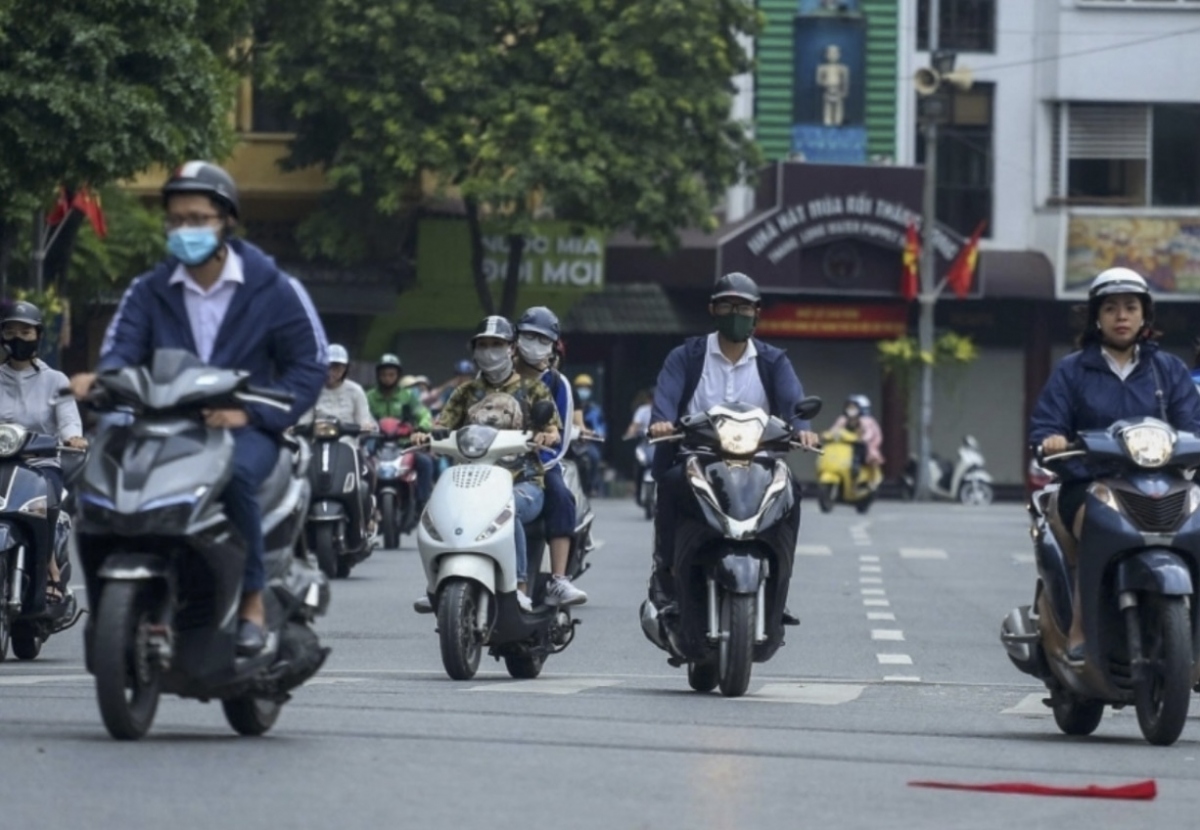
<point x="276" y="485"/>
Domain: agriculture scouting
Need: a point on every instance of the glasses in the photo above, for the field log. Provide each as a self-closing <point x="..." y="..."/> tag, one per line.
<point x="190" y="220"/>
<point x="725" y="307"/>
<point x="536" y="338"/>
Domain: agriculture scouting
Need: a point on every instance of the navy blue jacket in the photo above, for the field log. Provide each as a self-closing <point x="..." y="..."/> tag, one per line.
<point x="1085" y="394"/>
<point x="271" y="330"/>
<point x="681" y="375"/>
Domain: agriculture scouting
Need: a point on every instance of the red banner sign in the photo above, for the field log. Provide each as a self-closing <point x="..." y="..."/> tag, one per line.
<point x="857" y="322"/>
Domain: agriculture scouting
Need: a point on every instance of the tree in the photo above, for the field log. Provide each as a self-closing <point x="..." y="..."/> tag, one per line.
<point x="609" y="113"/>
<point x="96" y="91"/>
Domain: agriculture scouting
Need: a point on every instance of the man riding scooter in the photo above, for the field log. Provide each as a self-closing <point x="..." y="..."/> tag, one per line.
<point x="390" y="400"/>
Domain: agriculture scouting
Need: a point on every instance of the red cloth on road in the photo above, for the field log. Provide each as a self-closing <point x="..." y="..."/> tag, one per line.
<point x="1139" y="791"/>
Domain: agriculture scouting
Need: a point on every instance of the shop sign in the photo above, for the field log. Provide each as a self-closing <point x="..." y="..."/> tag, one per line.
<point x="848" y="322"/>
<point x="1164" y="249"/>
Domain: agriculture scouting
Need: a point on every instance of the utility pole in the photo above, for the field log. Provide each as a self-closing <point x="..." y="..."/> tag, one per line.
<point x="933" y="108"/>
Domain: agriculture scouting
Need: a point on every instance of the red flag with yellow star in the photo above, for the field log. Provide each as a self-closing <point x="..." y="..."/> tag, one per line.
<point x="909" y="283"/>
<point x="962" y="270"/>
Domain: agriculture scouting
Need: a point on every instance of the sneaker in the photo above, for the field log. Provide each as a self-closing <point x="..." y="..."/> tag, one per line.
<point x="524" y="601"/>
<point x="423" y="605"/>
<point x="560" y="592"/>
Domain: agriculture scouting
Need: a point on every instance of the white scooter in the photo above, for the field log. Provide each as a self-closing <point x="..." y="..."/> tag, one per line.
<point x="965" y="481"/>
<point x="467" y="543"/>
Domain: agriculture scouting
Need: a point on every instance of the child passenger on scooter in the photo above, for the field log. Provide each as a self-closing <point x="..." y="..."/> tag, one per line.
<point x="484" y="400"/>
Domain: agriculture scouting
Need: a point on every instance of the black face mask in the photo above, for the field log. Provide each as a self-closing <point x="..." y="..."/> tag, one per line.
<point x="19" y="349"/>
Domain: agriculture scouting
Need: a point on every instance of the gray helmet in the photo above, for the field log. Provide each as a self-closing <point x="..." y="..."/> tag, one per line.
<point x="539" y="320"/>
<point x="338" y="354"/>
<point x="206" y="179"/>
<point x="23" y="312"/>
<point x="389" y="360"/>
<point x="736" y="284"/>
<point x="494" y="326"/>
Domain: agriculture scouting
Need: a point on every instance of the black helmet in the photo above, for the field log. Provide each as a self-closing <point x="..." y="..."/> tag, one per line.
<point x="539" y="320"/>
<point x="494" y="326"/>
<point x="736" y="284"/>
<point x="23" y="312"/>
<point x="207" y="179"/>
<point x="389" y="360"/>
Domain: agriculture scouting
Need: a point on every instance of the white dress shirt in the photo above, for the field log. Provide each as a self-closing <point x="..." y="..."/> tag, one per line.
<point x="1123" y="372"/>
<point x="723" y="381"/>
<point x="206" y="309"/>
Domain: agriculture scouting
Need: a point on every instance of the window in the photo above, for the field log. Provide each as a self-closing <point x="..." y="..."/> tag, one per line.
<point x="1141" y="4"/>
<point x="966" y="25"/>
<point x="964" y="163"/>
<point x="1127" y="155"/>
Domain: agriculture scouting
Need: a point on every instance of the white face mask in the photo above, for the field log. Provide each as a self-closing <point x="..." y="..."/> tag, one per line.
<point x="534" y="351"/>
<point x="495" y="362"/>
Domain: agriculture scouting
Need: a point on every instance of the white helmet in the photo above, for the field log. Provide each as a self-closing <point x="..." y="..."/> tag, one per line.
<point x="1117" y="281"/>
<point x="338" y="354"/>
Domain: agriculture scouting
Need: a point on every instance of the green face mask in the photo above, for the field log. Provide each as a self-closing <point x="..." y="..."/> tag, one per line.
<point x="736" y="327"/>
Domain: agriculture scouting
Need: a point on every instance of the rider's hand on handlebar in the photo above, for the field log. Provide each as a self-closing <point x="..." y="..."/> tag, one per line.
<point x="662" y="429"/>
<point x="549" y="438"/>
<point x="77" y="443"/>
<point x="1054" y="444"/>
<point x="809" y="440"/>
<point x="420" y="439"/>
<point x="227" y="418"/>
<point x="81" y="384"/>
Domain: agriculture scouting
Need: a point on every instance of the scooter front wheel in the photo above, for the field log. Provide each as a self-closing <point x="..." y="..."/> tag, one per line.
<point x="458" y="612"/>
<point x="5" y="621"/>
<point x="524" y="666"/>
<point x="1163" y="692"/>
<point x="127" y="674"/>
<point x="323" y="547"/>
<point x="736" y="650"/>
<point x="389" y="515"/>
<point x="703" y="677"/>
<point x="827" y="497"/>
<point x="1076" y="716"/>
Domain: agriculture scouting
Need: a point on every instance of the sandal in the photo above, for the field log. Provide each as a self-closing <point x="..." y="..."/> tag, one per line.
<point x="55" y="591"/>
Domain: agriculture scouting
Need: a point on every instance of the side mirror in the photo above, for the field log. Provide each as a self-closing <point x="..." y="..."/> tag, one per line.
<point x="808" y="408"/>
<point x="541" y="414"/>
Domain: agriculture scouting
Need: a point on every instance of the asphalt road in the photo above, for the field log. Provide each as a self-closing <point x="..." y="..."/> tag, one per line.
<point x="896" y="675"/>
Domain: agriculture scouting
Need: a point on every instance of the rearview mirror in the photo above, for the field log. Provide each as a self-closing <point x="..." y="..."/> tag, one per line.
<point x="541" y="414"/>
<point x="808" y="408"/>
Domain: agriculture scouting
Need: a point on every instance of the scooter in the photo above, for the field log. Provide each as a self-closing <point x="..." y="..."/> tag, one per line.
<point x="32" y="529"/>
<point x="164" y="566"/>
<point x="732" y="568"/>
<point x="1138" y="561"/>
<point x="966" y="480"/>
<point x="468" y="550"/>
<point x="342" y="501"/>
<point x="646" y="489"/>
<point x="837" y="480"/>
<point x="395" y="481"/>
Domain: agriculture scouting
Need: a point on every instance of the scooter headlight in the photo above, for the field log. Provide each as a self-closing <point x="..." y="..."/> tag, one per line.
<point x="475" y="441"/>
<point x="1149" y="446"/>
<point x="12" y="438"/>
<point x="739" y="437"/>
<point x="500" y="521"/>
<point x="427" y="523"/>
<point x="325" y="429"/>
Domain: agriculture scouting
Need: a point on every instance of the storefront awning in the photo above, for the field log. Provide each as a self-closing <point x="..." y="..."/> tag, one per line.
<point x="638" y="308"/>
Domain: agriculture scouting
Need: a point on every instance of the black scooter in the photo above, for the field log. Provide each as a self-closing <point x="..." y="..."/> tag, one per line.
<point x="342" y="501"/>
<point x="732" y="567"/>
<point x="164" y="566"/>
<point x="1138" y="561"/>
<point x="395" y="481"/>
<point x="32" y="529"/>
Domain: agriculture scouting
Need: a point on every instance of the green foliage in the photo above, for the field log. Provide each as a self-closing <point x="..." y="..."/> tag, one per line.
<point x="902" y="357"/>
<point x="611" y="113"/>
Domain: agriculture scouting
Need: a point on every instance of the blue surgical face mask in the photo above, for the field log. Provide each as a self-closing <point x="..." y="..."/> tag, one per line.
<point x="585" y="394"/>
<point x="193" y="246"/>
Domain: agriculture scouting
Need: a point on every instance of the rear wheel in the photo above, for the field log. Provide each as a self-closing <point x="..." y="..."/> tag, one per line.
<point x="458" y="610"/>
<point x="5" y="622"/>
<point x="826" y="497"/>
<point x="127" y="674"/>
<point x="648" y="500"/>
<point x="1076" y="716"/>
<point x="703" y="677"/>
<point x="323" y="547"/>
<point x="251" y="716"/>
<point x="390" y="520"/>
<point x="524" y="666"/>
<point x="26" y="641"/>
<point x="1164" y="690"/>
<point x="736" y="650"/>
<point x="864" y="503"/>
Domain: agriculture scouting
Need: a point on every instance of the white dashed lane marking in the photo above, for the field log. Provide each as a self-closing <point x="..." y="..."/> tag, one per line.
<point x="547" y="686"/>
<point x="894" y="659"/>
<point x="869" y="569"/>
<point x="922" y="553"/>
<point x="868" y="559"/>
<point x="872" y="602"/>
<point x="814" y="550"/>
<point x="893" y="634"/>
<point x="870" y="580"/>
<point x="873" y="592"/>
<point x="881" y="616"/>
<point x="818" y="694"/>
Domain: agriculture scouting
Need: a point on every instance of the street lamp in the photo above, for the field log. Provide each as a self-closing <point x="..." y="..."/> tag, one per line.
<point x="933" y="85"/>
